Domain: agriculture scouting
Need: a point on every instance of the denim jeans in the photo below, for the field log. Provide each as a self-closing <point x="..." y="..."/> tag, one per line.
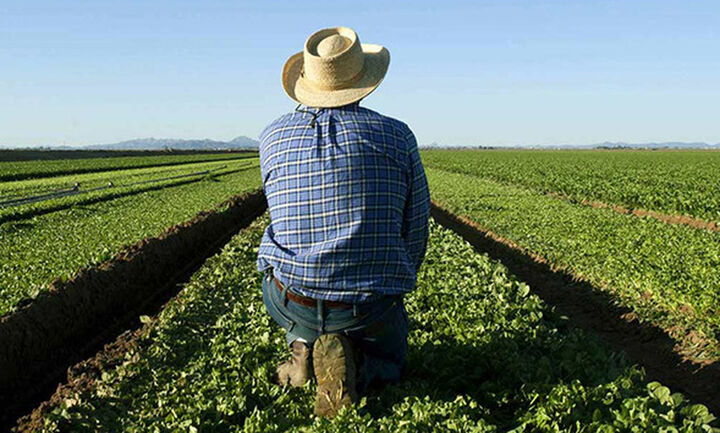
<point x="378" y="329"/>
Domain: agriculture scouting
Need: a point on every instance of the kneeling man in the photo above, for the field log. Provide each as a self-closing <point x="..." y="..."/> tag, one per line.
<point x="349" y="209"/>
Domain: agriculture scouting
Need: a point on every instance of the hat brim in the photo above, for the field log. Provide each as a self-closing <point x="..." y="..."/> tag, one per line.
<point x="297" y="87"/>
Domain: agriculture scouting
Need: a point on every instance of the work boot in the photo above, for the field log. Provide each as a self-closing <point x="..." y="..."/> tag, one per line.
<point x="336" y="373"/>
<point x="297" y="370"/>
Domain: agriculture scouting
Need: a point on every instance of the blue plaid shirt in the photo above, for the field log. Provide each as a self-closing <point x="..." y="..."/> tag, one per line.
<point x="349" y="204"/>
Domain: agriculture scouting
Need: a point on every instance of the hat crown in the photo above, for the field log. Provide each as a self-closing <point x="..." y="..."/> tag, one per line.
<point x="332" y="45"/>
<point x="333" y="58"/>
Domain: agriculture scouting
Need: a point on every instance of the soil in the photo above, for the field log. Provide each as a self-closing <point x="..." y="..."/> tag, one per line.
<point x="590" y="308"/>
<point x="77" y="317"/>
<point x="82" y="377"/>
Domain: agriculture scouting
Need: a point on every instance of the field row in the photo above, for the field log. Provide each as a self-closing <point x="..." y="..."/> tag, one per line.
<point x="667" y="274"/>
<point x="19" y="170"/>
<point x="484" y="355"/>
<point x="36" y="250"/>
<point x="126" y="185"/>
<point x="37" y="186"/>
<point x="684" y="183"/>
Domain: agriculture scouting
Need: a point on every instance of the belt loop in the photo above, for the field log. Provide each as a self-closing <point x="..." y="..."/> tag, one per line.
<point x="355" y="309"/>
<point x="320" y="317"/>
<point x="283" y="295"/>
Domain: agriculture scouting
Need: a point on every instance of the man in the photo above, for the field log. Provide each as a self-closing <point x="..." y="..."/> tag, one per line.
<point x="349" y="208"/>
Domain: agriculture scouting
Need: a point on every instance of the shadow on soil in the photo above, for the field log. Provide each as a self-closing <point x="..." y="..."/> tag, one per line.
<point x="593" y="310"/>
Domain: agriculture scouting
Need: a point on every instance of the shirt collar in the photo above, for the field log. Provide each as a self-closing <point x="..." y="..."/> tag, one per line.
<point x="349" y="107"/>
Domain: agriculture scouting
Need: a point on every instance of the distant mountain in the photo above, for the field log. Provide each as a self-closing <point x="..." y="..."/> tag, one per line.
<point x="244" y="142"/>
<point x="241" y="142"/>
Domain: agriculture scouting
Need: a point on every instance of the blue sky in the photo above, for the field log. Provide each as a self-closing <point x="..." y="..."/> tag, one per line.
<point x="470" y="72"/>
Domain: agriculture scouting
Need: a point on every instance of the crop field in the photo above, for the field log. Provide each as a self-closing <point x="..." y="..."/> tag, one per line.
<point x="489" y="351"/>
<point x="96" y="179"/>
<point x="485" y="355"/>
<point x="674" y="182"/>
<point x="103" y="186"/>
<point x="667" y="274"/>
<point x="53" y="238"/>
<point x="17" y="170"/>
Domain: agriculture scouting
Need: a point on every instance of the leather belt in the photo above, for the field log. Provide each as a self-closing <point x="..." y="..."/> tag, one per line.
<point x="309" y="302"/>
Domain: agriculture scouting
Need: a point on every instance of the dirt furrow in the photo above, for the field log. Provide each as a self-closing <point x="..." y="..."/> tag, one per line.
<point x="663" y="217"/>
<point x="590" y="308"/>
<point x="77" y="317"/>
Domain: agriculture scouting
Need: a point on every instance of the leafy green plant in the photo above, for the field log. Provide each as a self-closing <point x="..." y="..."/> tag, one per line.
<point x="485" y="355"/>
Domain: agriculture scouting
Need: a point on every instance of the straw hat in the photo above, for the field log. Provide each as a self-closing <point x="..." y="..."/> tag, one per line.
<point x="334" y="69"/>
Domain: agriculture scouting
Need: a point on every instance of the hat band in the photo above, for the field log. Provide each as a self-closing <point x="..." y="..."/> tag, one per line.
<point x="344" y="84"/>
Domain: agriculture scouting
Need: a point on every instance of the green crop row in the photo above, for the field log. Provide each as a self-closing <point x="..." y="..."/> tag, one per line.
<point x="485" y="355"/>
<point x="125" y="182"/>
<point x="18" y="170"/>
<point x="674" y="182"/>
<point x="36" y="250"/>
<point x="29" y="187"/>
<point x="667" y="274"/>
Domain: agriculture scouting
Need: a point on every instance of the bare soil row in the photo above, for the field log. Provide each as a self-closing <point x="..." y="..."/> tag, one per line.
<point x="82" y="377"/>
<point x="75" y="318"/>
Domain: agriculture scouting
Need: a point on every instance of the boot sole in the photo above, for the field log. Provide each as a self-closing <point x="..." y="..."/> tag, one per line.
<point x="336" y="372"/>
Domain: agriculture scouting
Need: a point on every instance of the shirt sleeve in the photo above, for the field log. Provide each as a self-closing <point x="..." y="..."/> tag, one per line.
<point x="417" y="206"/>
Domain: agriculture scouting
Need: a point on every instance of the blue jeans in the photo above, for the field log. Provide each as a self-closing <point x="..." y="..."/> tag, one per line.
<point x="378" y="329"/>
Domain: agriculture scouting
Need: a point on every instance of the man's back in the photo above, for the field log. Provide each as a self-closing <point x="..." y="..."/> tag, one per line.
<point x="348" y="202"/>
<point x="349" y="208"/>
